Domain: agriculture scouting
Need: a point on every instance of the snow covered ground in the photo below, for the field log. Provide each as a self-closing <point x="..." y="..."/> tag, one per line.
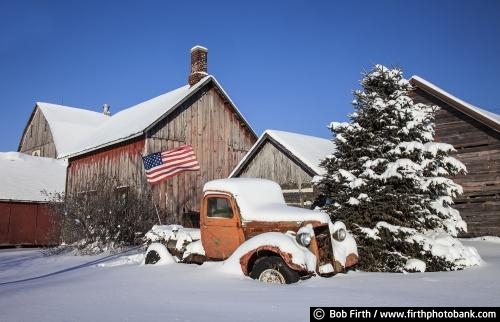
<point x="118" y="288"/>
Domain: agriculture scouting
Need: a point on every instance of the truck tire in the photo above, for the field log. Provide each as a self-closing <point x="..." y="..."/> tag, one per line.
<point x="157" y="254"/>
<point x="273" y="270"/>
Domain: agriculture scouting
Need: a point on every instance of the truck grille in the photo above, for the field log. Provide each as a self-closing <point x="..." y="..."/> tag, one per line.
<point x="324" y="242"/>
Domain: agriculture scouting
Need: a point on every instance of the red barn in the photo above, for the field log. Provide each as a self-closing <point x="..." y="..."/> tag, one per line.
<point x="25" y="219"/>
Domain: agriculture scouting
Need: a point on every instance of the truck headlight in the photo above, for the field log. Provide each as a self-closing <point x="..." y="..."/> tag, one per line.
<point x="340" y="234"/>
<point x="304" y="239"/>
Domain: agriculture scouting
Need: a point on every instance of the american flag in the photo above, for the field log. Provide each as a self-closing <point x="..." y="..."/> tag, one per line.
<point x="161" y="166"/>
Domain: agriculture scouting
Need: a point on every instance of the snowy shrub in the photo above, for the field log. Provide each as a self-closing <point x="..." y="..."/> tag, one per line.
<point x="415" y="265"/>
<point x="388" y="178"/>
<point x="107" y="215"/>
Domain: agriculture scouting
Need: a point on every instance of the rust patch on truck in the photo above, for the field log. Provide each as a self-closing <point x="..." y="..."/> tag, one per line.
<point x="223" y="230"/>
<point x="338" y="267"/>
<point x="287" y="258"/>
<point x="351" y="260"/>
<point x="254" y="228"/>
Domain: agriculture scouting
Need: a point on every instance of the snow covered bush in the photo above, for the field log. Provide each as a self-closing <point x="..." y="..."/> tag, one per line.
<point x="389" y="181"/>
<point x="105" y="216"/>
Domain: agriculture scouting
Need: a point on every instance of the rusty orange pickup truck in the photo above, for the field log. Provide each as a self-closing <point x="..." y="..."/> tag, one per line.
<point x="249" y="219"/>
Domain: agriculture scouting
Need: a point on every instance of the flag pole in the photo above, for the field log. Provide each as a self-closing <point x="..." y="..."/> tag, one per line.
<point x="161" y="166"/>
<point x="157" y="213"/>
<point x="151" y="189"/>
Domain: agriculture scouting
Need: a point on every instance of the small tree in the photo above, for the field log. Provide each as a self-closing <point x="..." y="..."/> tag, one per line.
<point x="106" y="215"/>
<point x="388" y="177"/>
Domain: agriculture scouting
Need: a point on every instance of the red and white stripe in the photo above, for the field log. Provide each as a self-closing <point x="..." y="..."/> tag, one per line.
<point x="174" y="161"/>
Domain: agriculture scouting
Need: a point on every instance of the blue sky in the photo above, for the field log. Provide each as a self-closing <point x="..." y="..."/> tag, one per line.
<point x="288" y="65"/>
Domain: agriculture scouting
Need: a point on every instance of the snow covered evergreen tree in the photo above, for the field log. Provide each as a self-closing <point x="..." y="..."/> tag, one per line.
<point x="389" y="180"/>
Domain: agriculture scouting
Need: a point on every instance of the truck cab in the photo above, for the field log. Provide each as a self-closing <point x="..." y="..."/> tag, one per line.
<point x="249" y="219"/>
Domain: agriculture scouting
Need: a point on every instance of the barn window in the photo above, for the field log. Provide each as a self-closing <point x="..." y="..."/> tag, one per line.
<point x="121" y="194"/>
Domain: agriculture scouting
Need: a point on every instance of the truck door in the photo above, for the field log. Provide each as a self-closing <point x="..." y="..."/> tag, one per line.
<point x="221" y="231"/>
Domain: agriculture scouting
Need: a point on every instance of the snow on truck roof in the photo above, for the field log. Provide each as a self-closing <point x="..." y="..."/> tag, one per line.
<point x="262" y="200"/>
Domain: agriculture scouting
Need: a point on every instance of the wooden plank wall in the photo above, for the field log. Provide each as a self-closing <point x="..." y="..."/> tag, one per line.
<point x="206" y="121"/>
<point x="478" y="147"/>
<point x="38" y="137"/>
<point x="219" y="138"/>
<point x="27" y="224"/>
<point x="122" y="162"/>
<point x="271" y="162"/>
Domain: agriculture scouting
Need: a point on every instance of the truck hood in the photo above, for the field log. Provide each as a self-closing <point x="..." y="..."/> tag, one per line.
<point x="280" y="212"/>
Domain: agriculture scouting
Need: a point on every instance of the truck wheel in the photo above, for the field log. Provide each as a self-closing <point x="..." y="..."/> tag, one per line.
<point x="157" y="253"/>
<point x="273" y="270"/>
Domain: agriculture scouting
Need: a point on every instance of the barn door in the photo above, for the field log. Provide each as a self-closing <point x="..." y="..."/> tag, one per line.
<point x="4" y="223"/>
<point x="22" y="224"/>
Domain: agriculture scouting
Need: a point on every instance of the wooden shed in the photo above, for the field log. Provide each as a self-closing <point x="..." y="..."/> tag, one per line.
<point x="200" y="114"/>
<point x="25" y="219"/>
<point x="475" y="134"/>
<point x="290" y="159"/>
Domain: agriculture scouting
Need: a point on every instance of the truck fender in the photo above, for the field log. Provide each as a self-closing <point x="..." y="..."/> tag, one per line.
<point x="248" y="260"/>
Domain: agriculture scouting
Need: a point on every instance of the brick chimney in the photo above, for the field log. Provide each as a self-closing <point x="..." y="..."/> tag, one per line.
<point x="198" y="64"/>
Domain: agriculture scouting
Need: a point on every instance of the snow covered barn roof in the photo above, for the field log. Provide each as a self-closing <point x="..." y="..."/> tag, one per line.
<point x="76" y="131"/>
<point x="134" y="121"/>
<point x="490" y="119"/>
<point x="304" y="149"/>
<point x="24" y="176"/>
<point x="67" y="124"/>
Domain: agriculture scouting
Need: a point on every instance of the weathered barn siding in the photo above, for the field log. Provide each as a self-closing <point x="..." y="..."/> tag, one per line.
<point x="206" y="121"/>
<point x="122" y="162"/>
<point x="218" y="136"/>
<point x="273" y="163"/>
<point x="27" y="224"/>
<point x="478" y="147"/>
<point x="37" y="138"/>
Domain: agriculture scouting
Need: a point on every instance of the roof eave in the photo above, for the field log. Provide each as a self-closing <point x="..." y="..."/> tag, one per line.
<point x="234" y="106"/>
<point x="197" y="86"/>
<point x="294" y="157"/>
<point x="99" y="147"/>
<point x="256" y="147"/>
<point x="173" y="108"/>
<point x="248" y="156"/>
<point x="24" y="201"/>
<point x="442" y="95"/>
<point x="26" y="127"/>
<point x="137" y="134"/>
